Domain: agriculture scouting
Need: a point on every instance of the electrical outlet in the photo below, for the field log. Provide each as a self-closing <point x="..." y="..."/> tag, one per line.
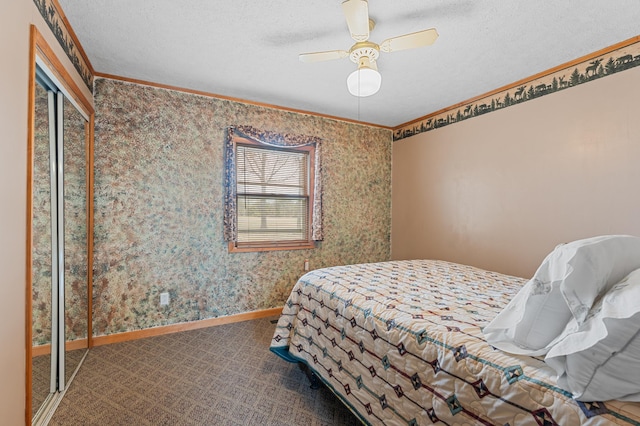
<point x="164" y="298"/>
<point x="306" y="264"/>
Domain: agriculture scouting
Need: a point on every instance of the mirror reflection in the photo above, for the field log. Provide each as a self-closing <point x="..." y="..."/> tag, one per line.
<point x="75" y="238"/>
<point x="60" y="293"/>
<point x="41" y="255"/>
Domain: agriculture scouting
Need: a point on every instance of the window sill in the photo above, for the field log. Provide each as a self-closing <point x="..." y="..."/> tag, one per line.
<point x="245" y="249"/>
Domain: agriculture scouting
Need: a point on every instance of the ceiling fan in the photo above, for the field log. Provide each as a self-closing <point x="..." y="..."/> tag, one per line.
<point x="366" y="80"/>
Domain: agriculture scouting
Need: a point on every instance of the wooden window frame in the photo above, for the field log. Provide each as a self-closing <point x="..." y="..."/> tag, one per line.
<point x="235" y="247"/>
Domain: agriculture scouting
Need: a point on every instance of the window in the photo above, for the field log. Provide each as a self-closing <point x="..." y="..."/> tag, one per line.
<point x="272" y="190"/>
<point x="274" y="196"/>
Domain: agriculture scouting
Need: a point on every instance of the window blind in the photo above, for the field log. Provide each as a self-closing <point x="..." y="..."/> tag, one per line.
<point x="272" y="195"/>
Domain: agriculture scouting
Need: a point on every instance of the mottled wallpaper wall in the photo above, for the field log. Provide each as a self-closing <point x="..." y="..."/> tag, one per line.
<point x="158" y="207"/>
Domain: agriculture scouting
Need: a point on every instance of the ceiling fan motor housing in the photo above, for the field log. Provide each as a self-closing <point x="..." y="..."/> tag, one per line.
<point x="364" y="49"/>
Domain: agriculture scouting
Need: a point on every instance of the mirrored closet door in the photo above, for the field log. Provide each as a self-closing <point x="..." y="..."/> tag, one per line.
<point x="60" y="241"/>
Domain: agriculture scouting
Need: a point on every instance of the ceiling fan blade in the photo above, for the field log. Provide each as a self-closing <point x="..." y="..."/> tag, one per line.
<point x="357" y="14"/>
<point x="409" y="41"/>
<point x="322" y="56"/>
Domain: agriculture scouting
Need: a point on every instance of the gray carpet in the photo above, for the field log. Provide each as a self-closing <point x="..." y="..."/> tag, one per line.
<point x="222" y="375"/>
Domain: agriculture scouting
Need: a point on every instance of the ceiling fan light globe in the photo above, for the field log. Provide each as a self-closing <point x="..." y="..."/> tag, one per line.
<point x="364" y="82"/>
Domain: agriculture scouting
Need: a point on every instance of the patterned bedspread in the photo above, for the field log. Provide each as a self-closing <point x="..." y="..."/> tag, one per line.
<point x="401" y="344"/>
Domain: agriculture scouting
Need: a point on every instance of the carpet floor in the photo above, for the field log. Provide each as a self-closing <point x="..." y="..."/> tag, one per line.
<point x="41" y="375"/>
<point x="222" y="375"/>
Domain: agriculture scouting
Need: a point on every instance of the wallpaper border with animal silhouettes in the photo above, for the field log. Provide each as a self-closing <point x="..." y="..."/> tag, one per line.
<point x="54" y="17"/>
<point x="609" y="61"/>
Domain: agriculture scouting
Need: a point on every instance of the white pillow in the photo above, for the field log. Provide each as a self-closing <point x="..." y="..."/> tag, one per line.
<point x="600" y="359"/>
<point x="565" y="286"/>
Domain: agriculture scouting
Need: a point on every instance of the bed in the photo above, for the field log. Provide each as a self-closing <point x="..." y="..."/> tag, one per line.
<point x="401" y="343"/>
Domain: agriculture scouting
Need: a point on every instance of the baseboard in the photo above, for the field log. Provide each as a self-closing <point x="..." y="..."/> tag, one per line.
<point x="68" y="346"/>
<point x="185" y="326"/>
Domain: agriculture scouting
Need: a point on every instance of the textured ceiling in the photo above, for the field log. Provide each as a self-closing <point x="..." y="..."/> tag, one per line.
<point x="249" y="49"/>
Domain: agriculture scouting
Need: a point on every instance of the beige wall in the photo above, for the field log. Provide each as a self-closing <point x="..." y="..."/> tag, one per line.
<point x="15" y="19"/>
<point x="14" y="49"/>
<point x="501" y="190"/>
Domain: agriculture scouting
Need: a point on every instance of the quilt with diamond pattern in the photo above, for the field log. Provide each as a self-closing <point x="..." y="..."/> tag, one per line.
<point x="401" y="344"/>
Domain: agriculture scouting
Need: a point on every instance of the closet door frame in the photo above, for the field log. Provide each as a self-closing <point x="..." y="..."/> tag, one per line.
<point x="41" y="54"/>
